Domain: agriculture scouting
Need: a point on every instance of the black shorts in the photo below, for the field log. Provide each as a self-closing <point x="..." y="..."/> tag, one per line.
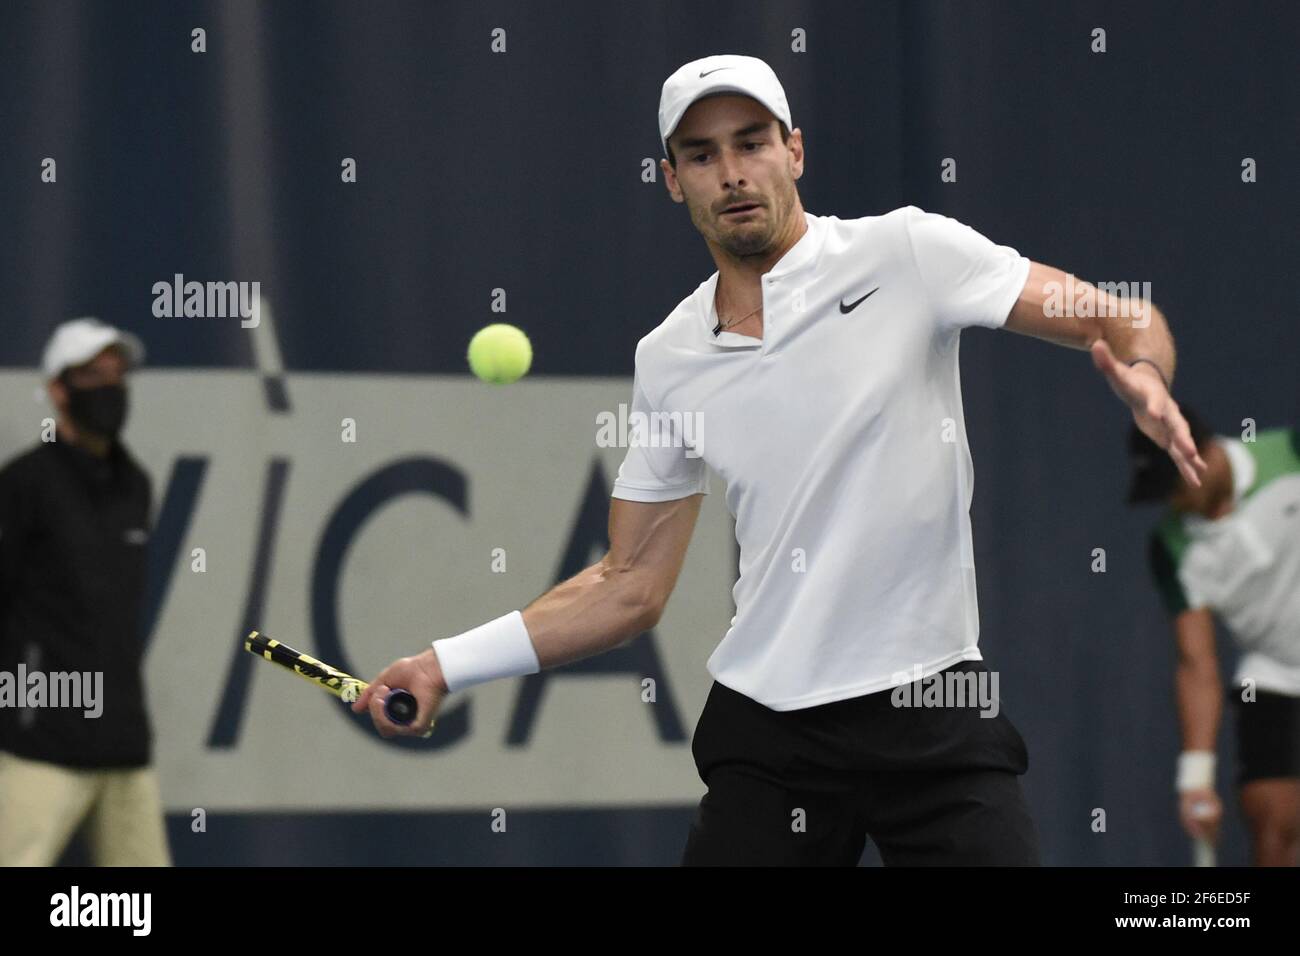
<point x="929" y="785"/>
<point x="1268" y="736"/>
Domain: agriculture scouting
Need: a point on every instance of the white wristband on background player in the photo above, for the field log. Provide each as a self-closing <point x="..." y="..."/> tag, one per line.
<point x="499" y="648"/>
<point x="1195" y="770"/>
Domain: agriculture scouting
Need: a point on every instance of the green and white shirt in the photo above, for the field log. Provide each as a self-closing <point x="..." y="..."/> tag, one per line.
<point x="1244" y="566"/>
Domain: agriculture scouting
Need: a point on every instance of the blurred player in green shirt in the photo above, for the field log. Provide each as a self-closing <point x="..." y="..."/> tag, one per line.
<point x="1231" y="549"/>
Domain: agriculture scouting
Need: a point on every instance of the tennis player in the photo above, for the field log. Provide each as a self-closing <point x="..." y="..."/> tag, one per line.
<point x="822" y="358"/>
<point x="1231" y="547"/>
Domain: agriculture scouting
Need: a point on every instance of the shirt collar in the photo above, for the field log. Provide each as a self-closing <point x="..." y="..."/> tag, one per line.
<point x="796" y="257"/>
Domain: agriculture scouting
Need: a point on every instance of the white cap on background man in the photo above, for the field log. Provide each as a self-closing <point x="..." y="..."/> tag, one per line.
<point x="79" y="340"/>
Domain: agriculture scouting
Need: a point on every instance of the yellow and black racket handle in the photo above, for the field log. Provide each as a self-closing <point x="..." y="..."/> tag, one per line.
<point x="400" y="706"/>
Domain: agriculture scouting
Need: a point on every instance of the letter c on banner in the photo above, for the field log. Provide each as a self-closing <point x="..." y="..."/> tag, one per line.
<point x="425" y="476"/>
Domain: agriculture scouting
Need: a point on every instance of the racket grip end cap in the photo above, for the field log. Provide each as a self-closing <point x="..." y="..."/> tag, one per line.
<point x="400" y="706"/>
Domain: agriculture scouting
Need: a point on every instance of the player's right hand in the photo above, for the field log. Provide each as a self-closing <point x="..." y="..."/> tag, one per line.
<point x="422" y="676"/>
<point x="1201" y="813"/>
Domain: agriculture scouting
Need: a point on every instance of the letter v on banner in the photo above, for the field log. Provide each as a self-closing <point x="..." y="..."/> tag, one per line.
<point x="225" y="727"/>
<point x="174" y="517"/>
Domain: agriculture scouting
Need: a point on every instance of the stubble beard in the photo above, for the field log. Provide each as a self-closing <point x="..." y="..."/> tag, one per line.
<point x="750" y="239"/>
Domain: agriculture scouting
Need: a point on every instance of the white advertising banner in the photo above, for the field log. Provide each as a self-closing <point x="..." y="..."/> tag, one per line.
<point x="362" y="516"/>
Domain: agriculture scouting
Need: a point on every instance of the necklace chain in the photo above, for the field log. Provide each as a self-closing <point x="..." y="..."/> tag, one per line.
<point x="727" y="325"/>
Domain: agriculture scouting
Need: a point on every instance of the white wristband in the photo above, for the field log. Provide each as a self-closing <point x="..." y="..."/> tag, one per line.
<point x="499" y="648"/>
<point x="1195" y="770"/>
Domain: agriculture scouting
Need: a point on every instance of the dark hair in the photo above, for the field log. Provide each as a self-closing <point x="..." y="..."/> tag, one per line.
<point x="785" y="138"/>
<point x="1154" y="475"/>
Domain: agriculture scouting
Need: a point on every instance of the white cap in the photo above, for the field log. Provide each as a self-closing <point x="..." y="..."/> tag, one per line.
<point x="723" y="73"/>
<point x="80" y="340"/>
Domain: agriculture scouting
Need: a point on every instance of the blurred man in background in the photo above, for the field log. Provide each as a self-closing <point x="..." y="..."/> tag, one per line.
<point x="74" y="518"/>
<point x="1232" y="547"/>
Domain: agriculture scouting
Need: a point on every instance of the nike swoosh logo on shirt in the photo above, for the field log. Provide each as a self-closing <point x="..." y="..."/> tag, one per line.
<point x="846" y="309"/>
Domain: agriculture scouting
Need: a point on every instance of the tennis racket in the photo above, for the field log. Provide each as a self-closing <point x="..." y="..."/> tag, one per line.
<point x="400" y="706"/>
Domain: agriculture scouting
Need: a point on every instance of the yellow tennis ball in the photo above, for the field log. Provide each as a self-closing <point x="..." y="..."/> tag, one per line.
<point x="500" y="354"/>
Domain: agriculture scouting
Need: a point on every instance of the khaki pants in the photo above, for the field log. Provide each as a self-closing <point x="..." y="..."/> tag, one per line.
<point x="43" y="804"/>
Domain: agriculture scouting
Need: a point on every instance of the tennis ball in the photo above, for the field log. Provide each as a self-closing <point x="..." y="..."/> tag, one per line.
<point x="500" y="354"/>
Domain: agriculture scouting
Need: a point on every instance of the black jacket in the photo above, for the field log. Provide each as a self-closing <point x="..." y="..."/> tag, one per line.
<point x="73" y="535"/>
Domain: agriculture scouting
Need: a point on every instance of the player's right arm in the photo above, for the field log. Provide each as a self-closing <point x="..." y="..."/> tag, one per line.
<point x="1200" y="705"/>
<point x="607" y="604"/>
<point x="653" y="508"/>
<point x="622" y="594"/>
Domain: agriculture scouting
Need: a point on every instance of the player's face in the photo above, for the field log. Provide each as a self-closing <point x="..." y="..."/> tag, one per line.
<point x="729" y="151"/>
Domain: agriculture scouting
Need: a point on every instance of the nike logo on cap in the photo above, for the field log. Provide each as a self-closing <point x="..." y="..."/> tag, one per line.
<point x="846" y="309"/>
<point x="714" y="70"/>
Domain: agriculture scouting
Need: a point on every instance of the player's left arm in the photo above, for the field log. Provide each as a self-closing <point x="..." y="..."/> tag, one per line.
<point x="1130" y="344"/>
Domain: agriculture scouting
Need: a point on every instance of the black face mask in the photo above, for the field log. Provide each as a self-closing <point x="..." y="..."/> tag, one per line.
<point x="101" y="410"/>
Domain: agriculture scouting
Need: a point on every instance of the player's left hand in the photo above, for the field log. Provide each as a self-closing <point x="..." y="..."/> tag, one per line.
<point x="1154" y="410"/>
<point x="422" y="676"/>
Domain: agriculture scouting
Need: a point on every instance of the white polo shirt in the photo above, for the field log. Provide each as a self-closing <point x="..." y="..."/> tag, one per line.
<point x="1244" y="566"/>
<point x="841" y="440"/>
